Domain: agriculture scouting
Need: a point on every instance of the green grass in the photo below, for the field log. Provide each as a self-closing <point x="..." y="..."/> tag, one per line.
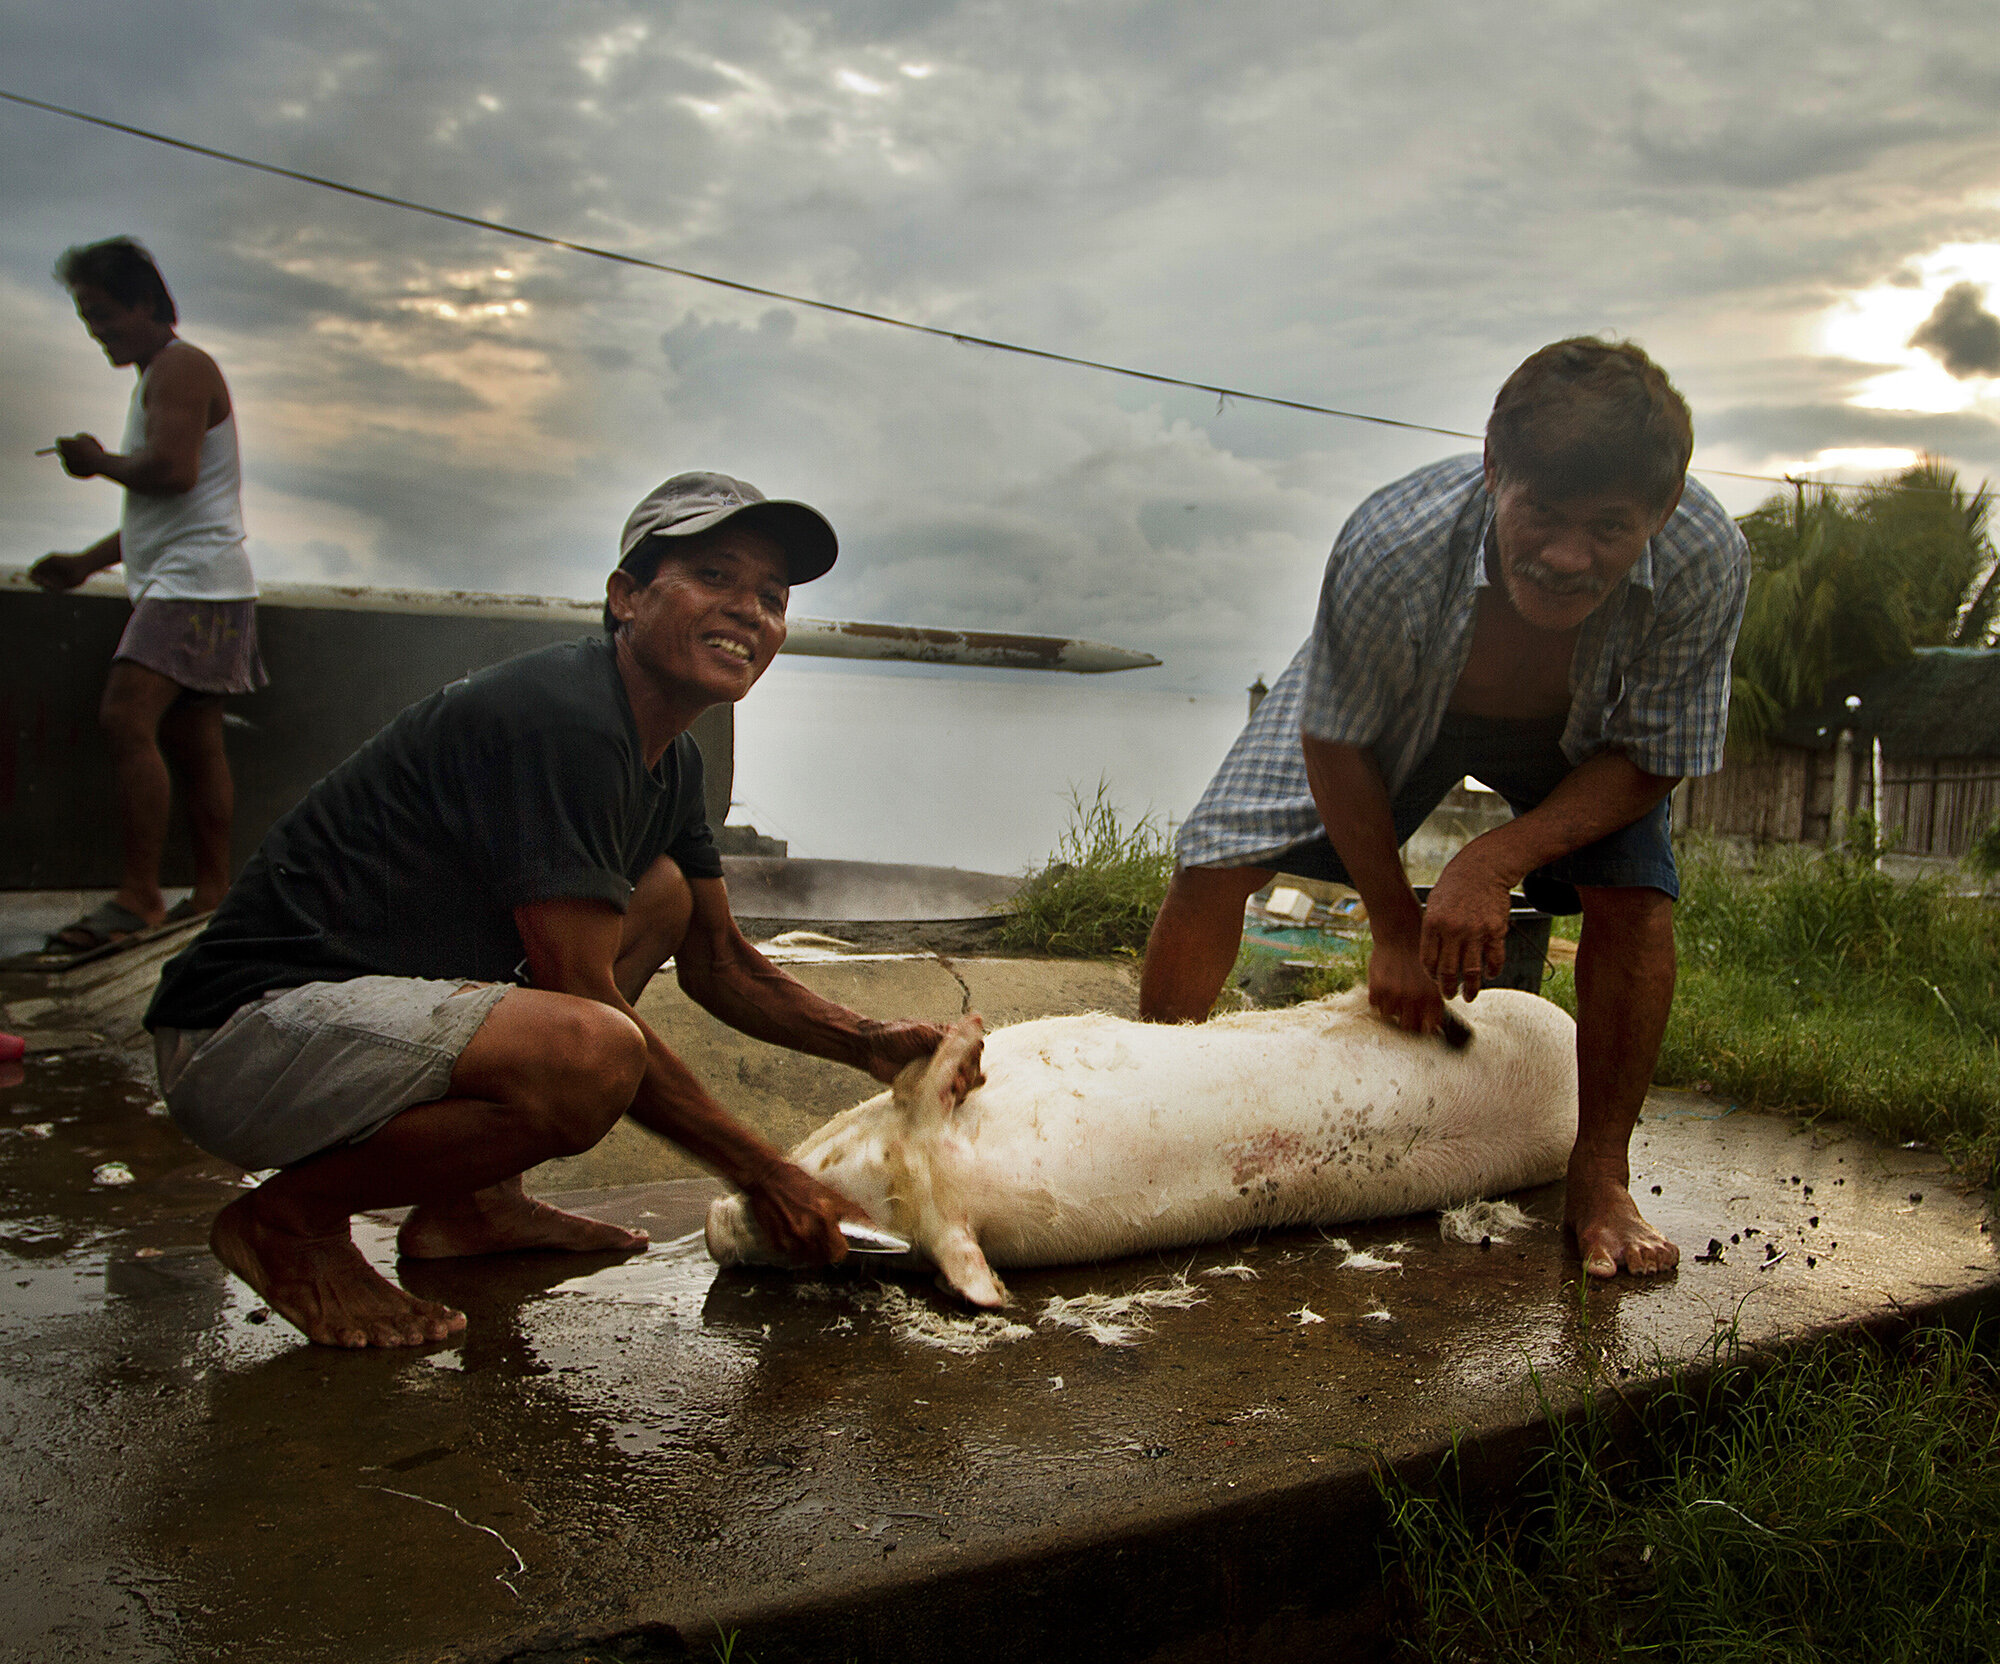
<point x="1332" y="973"/>
<point x="1842" y="1506"/>
<point x="1098" y="893"/>
<point x="1984" y="856"/>
<point x="1815" y="984"/>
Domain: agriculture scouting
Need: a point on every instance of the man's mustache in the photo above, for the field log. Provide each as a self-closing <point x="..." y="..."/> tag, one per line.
<point x="1551" y="582"/>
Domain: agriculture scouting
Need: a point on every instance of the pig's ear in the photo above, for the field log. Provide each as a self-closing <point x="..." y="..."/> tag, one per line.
<point x="937" y="1093"/>
<point x="963" y="1268"/>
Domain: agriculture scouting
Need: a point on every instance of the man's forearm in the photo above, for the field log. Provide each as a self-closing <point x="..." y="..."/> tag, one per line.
<point x="1600" y="796"/>
<point x="107" y="551"/>
<point x="1353" y="803"/>
<point x="672" y="1103"/>
<point x="742" y="988"/>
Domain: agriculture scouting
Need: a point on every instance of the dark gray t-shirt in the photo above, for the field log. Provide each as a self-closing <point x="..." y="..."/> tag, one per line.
<point x="523" y="783"/>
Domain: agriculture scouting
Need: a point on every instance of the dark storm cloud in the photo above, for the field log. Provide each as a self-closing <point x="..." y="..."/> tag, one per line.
<point x="373" y="383"/>
<point x="471" y="528"/>
<point x="1962" y="333"/>
<point x="1382" y="211"/>
<point x="244" y="291"/>
<point x="1757" y="150"/>
<point x="1799" y="430"/>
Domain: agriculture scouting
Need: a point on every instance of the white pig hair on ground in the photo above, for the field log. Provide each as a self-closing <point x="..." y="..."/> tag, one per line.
<point x="1108" y="1319"/>
<point x="1118" y="1319"/>
<point x="911" y="1319"/>
<point x="1094" y="1137"/>
<point x="1477" y="1222"/>
<point x="1362" y="1259"/>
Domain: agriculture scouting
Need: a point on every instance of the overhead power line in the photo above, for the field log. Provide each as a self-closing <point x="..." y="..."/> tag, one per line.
<point x="623" y="259"/>
<point x="617" y="257"/>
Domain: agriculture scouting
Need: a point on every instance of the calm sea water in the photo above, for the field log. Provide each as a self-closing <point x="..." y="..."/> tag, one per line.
<point x="956" y="769"/>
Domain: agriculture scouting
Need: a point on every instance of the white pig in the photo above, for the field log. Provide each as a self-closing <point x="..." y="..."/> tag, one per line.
<point x="1094" y="1137"/>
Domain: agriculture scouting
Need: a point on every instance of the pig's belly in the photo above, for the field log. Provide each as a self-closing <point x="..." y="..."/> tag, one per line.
<point x="1092" y="1144"/>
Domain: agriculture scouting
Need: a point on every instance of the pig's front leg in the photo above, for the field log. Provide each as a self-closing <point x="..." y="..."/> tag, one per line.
<point x="963" y="1269"/>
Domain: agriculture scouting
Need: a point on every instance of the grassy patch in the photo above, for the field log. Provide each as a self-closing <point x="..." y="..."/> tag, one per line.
<point x="1984" y="856"/>
<point x="1098" y="893"/>
<point x="1814" y="983"/>
<point x="1843" y="1506"/>
<point x="1265" y="977"/>
<point x="1331" y="973"/>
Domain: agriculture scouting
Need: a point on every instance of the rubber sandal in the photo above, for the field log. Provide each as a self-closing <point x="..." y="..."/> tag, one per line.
<point x="185" y="909"/>
<point x="107" y="924"/>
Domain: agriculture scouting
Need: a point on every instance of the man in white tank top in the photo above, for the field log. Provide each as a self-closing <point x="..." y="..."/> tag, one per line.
<point x="192" y="637"/>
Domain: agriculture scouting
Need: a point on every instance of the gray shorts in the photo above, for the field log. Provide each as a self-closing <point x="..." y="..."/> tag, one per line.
<point x="304" y="1069"/>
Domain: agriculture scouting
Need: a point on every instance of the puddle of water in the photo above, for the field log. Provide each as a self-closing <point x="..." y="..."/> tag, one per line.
<point x="32" y="1295"/>
<point x="75" y="1115"/>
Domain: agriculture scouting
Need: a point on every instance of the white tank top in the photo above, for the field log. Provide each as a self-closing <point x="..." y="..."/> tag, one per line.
<point x="187" y="546"/>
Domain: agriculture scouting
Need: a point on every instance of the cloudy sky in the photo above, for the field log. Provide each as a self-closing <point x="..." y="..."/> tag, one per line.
<point x="1381" y="208"/>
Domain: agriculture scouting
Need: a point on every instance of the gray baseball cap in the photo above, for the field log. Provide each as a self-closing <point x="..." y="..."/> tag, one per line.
<point x="690" y="503"/>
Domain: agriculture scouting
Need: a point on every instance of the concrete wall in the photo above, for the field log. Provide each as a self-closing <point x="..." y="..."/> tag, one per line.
<point x="337" y="675"/>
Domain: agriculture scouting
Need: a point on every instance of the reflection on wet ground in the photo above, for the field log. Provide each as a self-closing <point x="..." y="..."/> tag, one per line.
<point x="618" y="1442"/>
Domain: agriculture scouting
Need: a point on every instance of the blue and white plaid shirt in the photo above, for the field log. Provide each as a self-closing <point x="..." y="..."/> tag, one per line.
<point x="1650" y="676"/>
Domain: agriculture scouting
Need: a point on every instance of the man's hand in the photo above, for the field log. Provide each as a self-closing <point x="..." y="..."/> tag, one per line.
<point x="59" y="572"/>
<point x="800" y="1217"/>
<point x="892" y="1045"/>
<point x="82" y="456"/>
<point x="1464" y="942"/>
<point x="1401" y="989"/>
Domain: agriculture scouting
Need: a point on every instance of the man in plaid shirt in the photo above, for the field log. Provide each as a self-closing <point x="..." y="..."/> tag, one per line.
<point x="1556" y="618"/>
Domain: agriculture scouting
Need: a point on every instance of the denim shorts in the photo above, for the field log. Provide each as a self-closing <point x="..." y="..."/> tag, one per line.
<point x="1523" y="762"/>
<point x="304" y="1069"/>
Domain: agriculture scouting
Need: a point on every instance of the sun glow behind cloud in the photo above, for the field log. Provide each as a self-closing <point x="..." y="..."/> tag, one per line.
<point x="1874" y="326"/>
<point x="1860" y="459"/>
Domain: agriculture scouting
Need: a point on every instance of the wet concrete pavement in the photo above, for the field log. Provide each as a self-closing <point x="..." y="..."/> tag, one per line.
<point x="632" y="1457"/>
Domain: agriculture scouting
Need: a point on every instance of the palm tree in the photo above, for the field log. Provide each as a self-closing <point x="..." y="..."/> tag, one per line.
<point x="1838" y="590"/>
<point x="1820" y="604"/>
<point x="1936" y="536"/>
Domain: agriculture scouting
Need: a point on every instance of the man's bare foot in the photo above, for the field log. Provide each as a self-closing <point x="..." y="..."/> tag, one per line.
<point x="504" y="1219"/>
<point x="1609" y="1231"/>
<point x="322" y="1286"/>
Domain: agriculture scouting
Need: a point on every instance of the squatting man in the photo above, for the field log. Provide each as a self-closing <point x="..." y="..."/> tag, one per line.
<point x="424" y="982"/>
<point x="1554" y="617"/>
